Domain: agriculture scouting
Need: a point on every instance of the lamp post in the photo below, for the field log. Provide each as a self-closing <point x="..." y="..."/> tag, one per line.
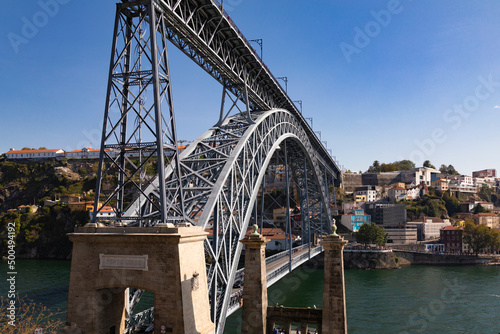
<point x="285" y="79"/>
<point x="258" y="41"/>
<point x="300" y="104"/>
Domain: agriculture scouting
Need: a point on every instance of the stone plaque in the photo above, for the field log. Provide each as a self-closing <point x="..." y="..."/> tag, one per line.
<point x="133" y="262"/>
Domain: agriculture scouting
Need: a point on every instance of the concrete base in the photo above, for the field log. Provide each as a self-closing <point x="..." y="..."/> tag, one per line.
<point x="170" y="262"/>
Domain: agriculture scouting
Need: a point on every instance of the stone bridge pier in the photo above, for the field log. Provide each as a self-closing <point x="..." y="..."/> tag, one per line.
<point x="168" y="261"/>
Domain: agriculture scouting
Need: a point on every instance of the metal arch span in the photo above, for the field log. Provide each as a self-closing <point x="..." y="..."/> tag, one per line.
<point x="221" y="175"/>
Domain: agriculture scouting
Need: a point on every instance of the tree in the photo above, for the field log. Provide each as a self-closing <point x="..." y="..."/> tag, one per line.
<point x="451" y="203"/>
<point x="428" y="164"/>
<point x="375" y="167"/>
<point x="479" y="209"/>
<point x="494" y="240"/>
<point x="371" y="234"/>
<point x="477" y="236"/>
<point x="450" y="170"/>
<point x="485" y="193"/>
<point x="363" y="234"/>
<point x="405" y="165"/>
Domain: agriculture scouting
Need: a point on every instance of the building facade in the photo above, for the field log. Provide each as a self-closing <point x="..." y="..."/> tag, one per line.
<point x="451" y="237"/>
<point x="369" y="192"/>
<point x="34" y="154"/>
<point x="428" y="228"/>
<point x="485" y="173"/>
<point x="386" y="214"/>
<point x="355" y="218"/>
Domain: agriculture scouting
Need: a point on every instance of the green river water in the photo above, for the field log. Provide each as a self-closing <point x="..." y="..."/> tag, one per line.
<point x="415" y="299"/>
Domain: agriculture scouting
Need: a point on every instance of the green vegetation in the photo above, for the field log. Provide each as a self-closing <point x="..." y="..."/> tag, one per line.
<point x="428" y="164"/>
<point x="33" y="182"/>
<point x="42" y="234"/>
<point x="432" y="206"/>
<point x="450" y="170"/>
<point x="480" y="237"/>
<point x="371" y="234"/>
<point x="29" y="316"/>
<point x="377" y="167"/>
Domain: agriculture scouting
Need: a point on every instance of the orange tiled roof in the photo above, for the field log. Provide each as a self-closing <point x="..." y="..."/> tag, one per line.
<point x="34" y="151"/>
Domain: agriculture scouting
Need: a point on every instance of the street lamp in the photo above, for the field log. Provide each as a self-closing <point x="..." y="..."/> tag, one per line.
<point x="300" y="104"/>
<point x="258" y="41"/>
<point x="285" y="79"/>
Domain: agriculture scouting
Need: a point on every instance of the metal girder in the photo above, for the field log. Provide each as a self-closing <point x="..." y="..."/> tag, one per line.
<point x="203" y="31"/>
<point x="136" y="135"/>
<point x="221" y="176"/>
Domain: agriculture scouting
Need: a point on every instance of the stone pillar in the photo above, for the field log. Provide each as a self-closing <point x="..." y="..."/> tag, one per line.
<point x="254" y="315"/>
<point x="168" y="261"/>
<point x="303" y="328"/>
<point x="334" y="311"/>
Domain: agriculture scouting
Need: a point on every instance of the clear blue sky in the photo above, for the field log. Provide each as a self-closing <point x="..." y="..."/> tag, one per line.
<point x="383" y="80"/>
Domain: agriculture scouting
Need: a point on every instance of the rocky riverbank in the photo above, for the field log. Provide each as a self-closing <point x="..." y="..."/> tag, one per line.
<point x="370" y="259"/>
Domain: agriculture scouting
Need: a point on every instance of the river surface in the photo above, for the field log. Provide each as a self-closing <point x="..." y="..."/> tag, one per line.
<point x="415" y="299"/>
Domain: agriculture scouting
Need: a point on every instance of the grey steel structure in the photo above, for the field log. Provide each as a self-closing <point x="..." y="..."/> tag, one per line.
<point x="216" y="181"/>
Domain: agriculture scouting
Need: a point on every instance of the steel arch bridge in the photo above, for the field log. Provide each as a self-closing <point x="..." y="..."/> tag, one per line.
<point x="216" y="181"/>
<point x="222" y="172"/>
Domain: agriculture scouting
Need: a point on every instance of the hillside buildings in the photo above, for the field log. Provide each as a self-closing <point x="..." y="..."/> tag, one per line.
<point x="355" y="218"/>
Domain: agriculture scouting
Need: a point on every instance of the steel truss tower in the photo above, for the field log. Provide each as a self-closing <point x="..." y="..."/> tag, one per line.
<point x="137" y="140"/>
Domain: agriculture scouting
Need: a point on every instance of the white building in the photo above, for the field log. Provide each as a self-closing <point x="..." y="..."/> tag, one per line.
<point x="397" y="194"/>
<point x="428" y="227"/>
<point x="462" y="183"/>
<point x="84" y="153"/>
<point x="369" y="191"/>
<point x="34" y="154"/>
<point x="421" y="175"/>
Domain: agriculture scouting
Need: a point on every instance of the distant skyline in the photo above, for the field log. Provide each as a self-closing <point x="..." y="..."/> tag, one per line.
<point x="382" y="80"/>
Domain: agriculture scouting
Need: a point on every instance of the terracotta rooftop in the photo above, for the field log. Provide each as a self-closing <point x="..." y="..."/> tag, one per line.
<point x="35" y="151"/>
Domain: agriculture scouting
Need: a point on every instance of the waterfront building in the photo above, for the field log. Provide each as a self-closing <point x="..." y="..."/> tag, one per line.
<point x="451" y="237"/>
<point x="402" y="234"/>
<point x="434" y="248"/>
<point x="428" y="228"/>
<point x="355" y="218"/>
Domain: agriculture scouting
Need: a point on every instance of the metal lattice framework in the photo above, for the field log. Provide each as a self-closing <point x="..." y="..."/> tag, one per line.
<point x="221" y="176"/>
<point x="136" y="135"/>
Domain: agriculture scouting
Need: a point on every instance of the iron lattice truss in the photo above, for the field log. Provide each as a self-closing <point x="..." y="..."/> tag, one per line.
<point x="203" y="31"/>
<point x="138" y="141"/>
<point x="222" y="172"/>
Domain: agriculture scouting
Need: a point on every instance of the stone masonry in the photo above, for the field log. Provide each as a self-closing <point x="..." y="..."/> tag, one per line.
<point x="168" y="261"/>
<point x="334" y="310"/>
<point x="254" y="315"/>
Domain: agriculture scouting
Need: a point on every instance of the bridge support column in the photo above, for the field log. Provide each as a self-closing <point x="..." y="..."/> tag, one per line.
<point x="334" y="310"/>
<point x="254" y="315"/>
<point x="168" y="261"/>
